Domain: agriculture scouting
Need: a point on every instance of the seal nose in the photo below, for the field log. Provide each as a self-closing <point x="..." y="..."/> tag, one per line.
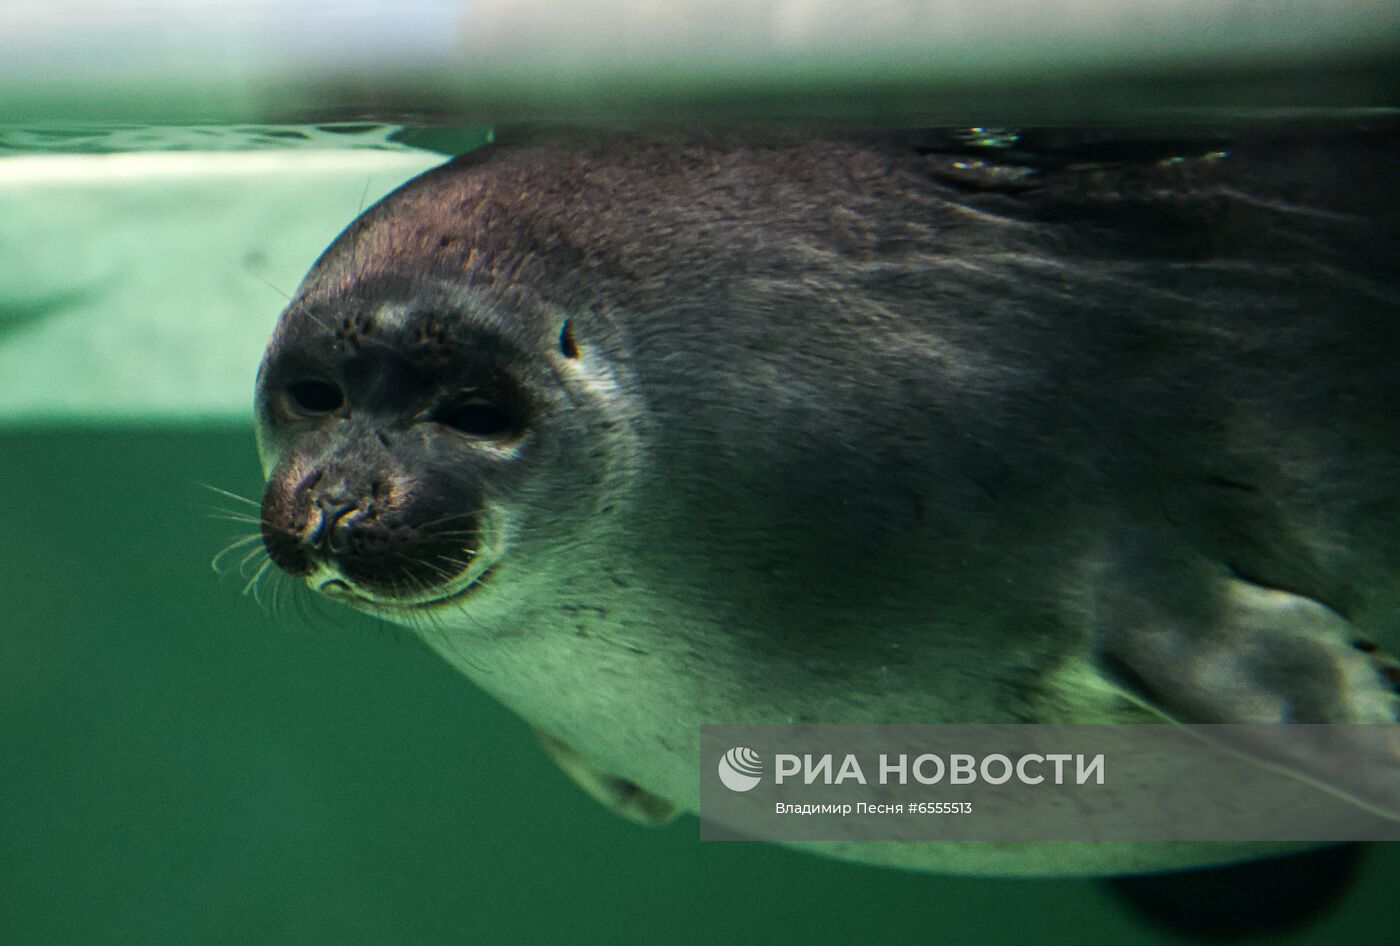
<point x="315" y="517"/>
<point x="375" y="532"/>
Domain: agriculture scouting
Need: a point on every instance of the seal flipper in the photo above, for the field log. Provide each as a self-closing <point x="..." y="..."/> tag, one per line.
<point x="1262" y="655"/>
<point x="627" y="799"/>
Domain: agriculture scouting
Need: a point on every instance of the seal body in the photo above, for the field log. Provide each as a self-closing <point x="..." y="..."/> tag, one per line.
<point x="649" y="432"/>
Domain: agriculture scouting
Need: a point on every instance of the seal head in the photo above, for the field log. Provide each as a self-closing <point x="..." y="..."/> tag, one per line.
<point x="401" y="425"/>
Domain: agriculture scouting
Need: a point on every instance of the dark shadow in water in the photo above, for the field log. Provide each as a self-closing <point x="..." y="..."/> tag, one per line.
<point x="1244" y="900"/>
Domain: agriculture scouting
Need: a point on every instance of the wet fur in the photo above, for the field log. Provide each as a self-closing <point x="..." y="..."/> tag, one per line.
<point x="887" y="435"/>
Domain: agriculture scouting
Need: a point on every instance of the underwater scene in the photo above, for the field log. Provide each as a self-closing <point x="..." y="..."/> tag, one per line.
<point x="406" y="475"/>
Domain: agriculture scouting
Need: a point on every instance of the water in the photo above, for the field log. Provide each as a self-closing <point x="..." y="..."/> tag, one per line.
<point x="182" y="766"/>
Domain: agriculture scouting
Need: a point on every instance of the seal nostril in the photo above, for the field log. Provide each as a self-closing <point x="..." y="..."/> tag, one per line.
<point x="332" y="525"/>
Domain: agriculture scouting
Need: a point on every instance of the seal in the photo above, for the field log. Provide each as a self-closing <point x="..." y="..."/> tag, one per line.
<point x="645" y="432"/>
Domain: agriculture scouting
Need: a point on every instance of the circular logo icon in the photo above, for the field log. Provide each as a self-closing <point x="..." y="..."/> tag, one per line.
<point x="740" y="769"/>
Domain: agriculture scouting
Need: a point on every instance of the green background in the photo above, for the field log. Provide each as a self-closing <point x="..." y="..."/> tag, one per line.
<point x="181" y="766"/>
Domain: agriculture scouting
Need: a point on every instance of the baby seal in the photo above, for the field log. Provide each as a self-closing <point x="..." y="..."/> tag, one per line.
<point x="655" y="431"/>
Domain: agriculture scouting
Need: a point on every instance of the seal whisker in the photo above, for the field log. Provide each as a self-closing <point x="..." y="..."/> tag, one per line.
<point x="471" y="514"/>
<point x="238" y="543"/>
<point x="262" y="279"/>
<point x="359" y="231"/>
<point x="252" y="556"/>
<point x="449" y="533"/>
<point x="284" y="594"/>
<point x="238" y="517"/>
<point x="252" y="585"/>
<point x="314" y="609"/>
<point x="437" y="569"/>
<point x="427" y="623"/>
<point x="277" y="581"/>
<point x="304" y="603"/>
<point x="436" y="531"/>
<point x="234" y="496"/>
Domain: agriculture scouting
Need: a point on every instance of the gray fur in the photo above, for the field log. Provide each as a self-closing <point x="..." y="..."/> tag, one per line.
<point x="863" y="430"/>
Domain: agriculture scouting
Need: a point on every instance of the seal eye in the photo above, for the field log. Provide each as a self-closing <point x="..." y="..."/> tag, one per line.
<point x="315" y="397"/>
<point x="475" y="418"/>
<point x="568" y="345"/>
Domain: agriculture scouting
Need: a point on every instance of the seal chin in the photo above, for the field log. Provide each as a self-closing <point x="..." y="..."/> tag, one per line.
<point x="470" y="586"/>
<point x="334" y="586"/>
